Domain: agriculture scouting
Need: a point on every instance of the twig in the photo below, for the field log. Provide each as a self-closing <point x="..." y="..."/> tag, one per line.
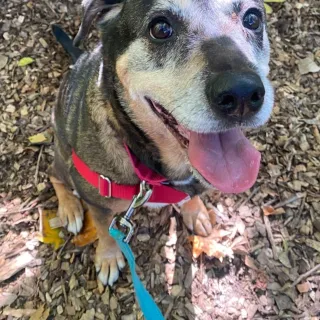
<point x="270" y="202"/>
<point x="288" y="221"/>
<point x="302" y="206"/>
<point x="37" y="167"/>
<point x="49" y="6"/>
<point x="278" y="317"/>
<point x="257" y="247"/>
<point x="270" y="237"/>
<point x="290" y="200"/>
<point x="245" y="201"/>
<point x="64" y="245"/>
<point x="306" y="275"/>
<point x="169" y="309"/>
<point x="64" y="292"/>
<point x="12" y="254"/>
<point x="20" y="211"/>
<point x="25" y="203"/>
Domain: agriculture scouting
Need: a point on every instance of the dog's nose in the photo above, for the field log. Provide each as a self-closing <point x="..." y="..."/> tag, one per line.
<point x="236" y="94"/>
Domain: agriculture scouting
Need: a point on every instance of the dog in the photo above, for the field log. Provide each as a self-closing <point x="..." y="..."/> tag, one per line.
<point x="168" y="89"/>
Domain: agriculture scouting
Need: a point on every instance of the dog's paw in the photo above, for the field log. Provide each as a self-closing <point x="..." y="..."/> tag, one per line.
<point x="70" y="212"/>
<point x="108" y="261"/>
<point x="197" y="218"/>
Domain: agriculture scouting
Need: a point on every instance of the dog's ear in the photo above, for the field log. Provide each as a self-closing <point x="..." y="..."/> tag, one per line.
<point x="103" y="10"/>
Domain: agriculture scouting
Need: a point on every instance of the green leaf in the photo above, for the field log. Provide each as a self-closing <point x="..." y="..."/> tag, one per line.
<point x="268" y="8"/>
<point x="41" y="138"/>
<point x="25" y="61"/>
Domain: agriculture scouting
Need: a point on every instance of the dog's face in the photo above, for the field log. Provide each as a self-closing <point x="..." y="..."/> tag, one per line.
<point x="190" y="74"/>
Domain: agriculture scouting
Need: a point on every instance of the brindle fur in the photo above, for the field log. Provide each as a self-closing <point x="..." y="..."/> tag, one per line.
<point x="101" y="103"/>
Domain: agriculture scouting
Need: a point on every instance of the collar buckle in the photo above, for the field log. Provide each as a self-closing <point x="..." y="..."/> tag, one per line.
<point x="102" y="186"/>
<point x="137" y="201"/>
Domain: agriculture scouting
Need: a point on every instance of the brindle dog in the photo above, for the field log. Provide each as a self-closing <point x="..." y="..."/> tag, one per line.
<point x="174" y="80"/>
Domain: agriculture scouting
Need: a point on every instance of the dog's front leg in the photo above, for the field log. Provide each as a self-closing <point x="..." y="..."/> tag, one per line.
<point x="70" y="210"/>
<point x="108" y="258"/>
<point x="197" y="218"/>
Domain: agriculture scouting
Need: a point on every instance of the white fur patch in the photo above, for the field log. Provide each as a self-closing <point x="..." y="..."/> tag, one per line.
<point x="99" y="81"/>
<point x="75" y="192"/>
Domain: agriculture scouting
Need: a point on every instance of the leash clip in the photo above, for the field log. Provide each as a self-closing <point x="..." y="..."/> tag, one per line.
<point x="137" y="201"/>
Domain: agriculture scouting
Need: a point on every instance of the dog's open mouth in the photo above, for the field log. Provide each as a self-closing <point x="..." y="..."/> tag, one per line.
<point x="181" y="134"/>
<point x="227" y="160"/>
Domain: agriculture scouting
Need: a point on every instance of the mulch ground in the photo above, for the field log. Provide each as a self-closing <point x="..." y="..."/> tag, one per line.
<point x="280" y="276"/>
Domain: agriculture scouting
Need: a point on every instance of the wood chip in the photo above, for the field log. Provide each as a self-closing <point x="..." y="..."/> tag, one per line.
<point x="6" y="298"/>
<point x="88" y="315"/>
<point x="13" y="266"/>
<point x="250" y="263"/>
<point x="3" y="61"/>
<point x="18" y="313"/>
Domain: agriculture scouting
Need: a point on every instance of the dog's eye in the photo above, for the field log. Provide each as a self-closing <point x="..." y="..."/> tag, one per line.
<point x="252" y="20"/>
<point x="161" y="29"/>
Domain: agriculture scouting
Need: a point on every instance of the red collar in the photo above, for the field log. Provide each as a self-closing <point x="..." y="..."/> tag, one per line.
<point x="109" y="189"/>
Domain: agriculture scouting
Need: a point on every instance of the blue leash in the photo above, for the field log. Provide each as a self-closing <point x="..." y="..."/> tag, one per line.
<point x="149" y="308"/>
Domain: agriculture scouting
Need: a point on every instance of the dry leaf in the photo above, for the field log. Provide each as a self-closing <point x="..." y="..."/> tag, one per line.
<point x="88" y="232"/>
<point x="209" y="246"/>
<point x="46" y="234"/>
<point x="239" y="245"/>
<point x="267" y="210"/>
<point x="270" y="211"/>
<point x="240" y="226"/>
<point x="308" y="65"/>
<point x="313" y="244"/>
<point x="304" y="287"/>
<point x="25" y="61"/>
<point x="219" y="234"/>
<point x="249" y="262"/>
<point x="40" y="314"/>
<point x="284" y="259"/>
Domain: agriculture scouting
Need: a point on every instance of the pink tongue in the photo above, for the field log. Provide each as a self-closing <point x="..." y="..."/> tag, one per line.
<point x="226" y="160"/>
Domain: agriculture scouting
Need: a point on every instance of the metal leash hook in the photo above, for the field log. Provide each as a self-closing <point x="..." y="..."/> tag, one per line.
<point x="139" y="200"/>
